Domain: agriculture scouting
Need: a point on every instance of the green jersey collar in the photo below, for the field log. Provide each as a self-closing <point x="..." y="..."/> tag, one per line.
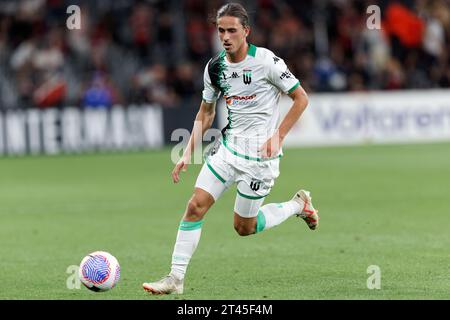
<point x="251" y="50"/>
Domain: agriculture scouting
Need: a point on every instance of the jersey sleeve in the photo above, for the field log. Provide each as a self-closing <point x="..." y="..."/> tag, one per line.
<point x="279" y="75"/>
<point x="210" y="92"/>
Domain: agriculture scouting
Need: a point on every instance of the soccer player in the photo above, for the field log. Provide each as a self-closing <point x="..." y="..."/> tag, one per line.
<point x="251" y="80"/>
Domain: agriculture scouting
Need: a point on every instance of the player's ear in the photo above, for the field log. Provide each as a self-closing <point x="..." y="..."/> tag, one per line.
<point x="247" y="30"/>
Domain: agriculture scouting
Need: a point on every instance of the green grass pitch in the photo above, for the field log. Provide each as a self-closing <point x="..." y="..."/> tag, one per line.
<point x="380" y="205"/>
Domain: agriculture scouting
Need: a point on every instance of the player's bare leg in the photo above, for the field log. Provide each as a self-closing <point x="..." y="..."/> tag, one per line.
<point x="186" y="243"/>
<point x="273" y="214"/>
<point x="244" y="226"/>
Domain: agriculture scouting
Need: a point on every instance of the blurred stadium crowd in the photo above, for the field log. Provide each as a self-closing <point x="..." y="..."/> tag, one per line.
<point x="155" y="51"/>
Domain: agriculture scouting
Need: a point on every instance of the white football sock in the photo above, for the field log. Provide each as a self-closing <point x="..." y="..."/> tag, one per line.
<point x="187" y="240"/>
<point x="273" y="214"/>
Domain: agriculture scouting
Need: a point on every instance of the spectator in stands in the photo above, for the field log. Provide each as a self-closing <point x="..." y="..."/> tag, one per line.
<point x="151" y="86"/>
<point x="100" y="93"/>
<point x="140" y="45"/>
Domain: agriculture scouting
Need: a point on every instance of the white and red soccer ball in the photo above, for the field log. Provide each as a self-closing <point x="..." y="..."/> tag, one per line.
<point x="99" y="271"/>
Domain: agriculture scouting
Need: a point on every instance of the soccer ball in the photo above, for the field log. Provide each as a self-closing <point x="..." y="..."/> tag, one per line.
<point x="99" y="271"/>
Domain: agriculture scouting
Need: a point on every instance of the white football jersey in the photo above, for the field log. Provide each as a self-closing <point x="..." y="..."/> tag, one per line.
<point x="251" y="89"/>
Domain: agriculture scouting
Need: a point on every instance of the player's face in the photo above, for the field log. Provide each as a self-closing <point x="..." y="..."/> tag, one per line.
<point x="232" y="33"/>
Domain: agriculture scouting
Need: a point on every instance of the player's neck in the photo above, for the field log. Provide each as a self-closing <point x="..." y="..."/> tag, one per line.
<point x="239" y="55"/>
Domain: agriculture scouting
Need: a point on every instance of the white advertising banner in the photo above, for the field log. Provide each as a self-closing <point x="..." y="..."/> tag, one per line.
<point x="73" y="130"/>
<point x="375" y="117"/>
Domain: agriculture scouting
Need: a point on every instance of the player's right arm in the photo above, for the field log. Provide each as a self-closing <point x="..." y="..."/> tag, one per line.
<point x="203" y="121"/>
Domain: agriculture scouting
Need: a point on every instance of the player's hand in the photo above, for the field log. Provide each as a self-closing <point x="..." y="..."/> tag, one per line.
<point x="181" y="165"/>
<point x="271" y="147"/>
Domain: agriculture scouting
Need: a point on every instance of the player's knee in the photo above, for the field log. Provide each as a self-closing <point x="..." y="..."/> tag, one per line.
<point x="195" y="210"/>
<point x="244" y="230"/>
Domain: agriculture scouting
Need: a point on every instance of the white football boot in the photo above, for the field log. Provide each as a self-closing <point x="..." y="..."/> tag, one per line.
<point x="308" y="213"/>
<point x="167" y="285"/>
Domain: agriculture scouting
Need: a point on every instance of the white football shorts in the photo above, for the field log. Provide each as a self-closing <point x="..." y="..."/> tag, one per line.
<point x="254" y="179"/>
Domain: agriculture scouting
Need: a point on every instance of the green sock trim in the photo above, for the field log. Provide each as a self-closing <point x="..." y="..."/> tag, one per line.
<point x="260" y="222"/>
<point x="190" y="225"/>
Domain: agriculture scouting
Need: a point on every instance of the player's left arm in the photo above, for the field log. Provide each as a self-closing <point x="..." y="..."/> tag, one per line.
<point x="273" y="145"/>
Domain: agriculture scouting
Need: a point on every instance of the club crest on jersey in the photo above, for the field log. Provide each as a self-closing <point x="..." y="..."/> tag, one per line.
<point x="255" y="185"/>
<point x="247" y="76"/>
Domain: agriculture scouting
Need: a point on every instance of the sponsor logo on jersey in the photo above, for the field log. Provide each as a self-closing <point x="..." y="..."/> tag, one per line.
<point x="275" y="59"/>
<point x="286" y="75"/>
<point x="247" y="76"/>
<point x="239" y="100"/>
<point x="234" y="75"/>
